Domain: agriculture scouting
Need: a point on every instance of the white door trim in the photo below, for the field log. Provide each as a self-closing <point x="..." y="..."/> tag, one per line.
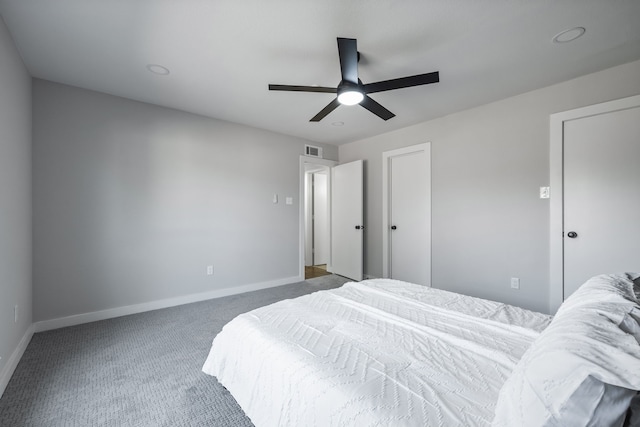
<point x="556" y="209"/>
<point x="301" y="239"/>
<point x="386" y="155"/>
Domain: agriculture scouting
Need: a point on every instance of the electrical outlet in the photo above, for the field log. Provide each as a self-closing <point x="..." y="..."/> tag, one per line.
<point x="515" y="283"/>
<point x="15" y="313"/>
<point x="209" y="270"/>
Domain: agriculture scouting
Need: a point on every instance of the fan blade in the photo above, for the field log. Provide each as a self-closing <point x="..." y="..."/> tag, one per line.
<point x="326" y="110"/>
<point x="291" y="88"/>
<point x="376" y="108"/>
<point x="420" y="79"/>
<point x="348" y="51"/>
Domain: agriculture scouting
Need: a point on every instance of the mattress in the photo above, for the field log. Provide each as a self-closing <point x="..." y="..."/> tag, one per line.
<point x="373" y="353"/>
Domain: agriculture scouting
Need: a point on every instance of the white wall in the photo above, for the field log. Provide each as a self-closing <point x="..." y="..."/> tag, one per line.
<point x="133" y="201"/>
<point x="321" y="218"/>
<point x="487" y="166"/>
<point x="15" y="203"/>
<point x="308" y="221"/>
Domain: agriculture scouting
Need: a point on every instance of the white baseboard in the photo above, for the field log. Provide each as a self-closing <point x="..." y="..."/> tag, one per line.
<point x="77" y="319"/>
<point x="12" y="362"/>
<point x="369" y="277"/>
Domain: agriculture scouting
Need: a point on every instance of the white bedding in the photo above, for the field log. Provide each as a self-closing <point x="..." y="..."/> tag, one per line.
<point x="375" y="353"/>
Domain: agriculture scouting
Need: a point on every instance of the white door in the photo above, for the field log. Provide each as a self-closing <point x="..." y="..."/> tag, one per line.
<point x="601" y="196"/>
<point x="408" y="220"/>
<point x="347" y="227"/>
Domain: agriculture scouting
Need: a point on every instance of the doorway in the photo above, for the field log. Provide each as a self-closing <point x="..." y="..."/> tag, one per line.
<point x="595" y="194"/>
<point x="314" y="243"/>
<point x="316" y="217"/>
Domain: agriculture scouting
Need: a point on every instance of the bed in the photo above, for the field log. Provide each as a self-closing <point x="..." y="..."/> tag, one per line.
<point x="384" y="352"/>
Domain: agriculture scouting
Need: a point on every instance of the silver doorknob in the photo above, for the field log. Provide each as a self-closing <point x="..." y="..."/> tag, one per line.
<point x="572" y="234"/>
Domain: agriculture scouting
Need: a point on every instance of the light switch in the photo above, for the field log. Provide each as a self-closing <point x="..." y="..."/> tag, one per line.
<point x="275" y="198"/>
<point x="289" y="200"/>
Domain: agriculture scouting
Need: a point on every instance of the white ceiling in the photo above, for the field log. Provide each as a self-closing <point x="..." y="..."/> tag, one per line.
<point x="223" y="53"/>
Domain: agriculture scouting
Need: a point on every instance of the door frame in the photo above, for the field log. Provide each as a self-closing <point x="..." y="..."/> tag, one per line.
<point x="386" y="241"/>
<point x="304" y="160"/>
<point x="556" y="182"/>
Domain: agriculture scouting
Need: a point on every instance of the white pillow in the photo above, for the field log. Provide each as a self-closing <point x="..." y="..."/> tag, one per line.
<point x="584" y="369"/>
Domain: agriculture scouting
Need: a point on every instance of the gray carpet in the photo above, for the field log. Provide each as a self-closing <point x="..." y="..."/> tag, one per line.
<point x="138" y="370"/>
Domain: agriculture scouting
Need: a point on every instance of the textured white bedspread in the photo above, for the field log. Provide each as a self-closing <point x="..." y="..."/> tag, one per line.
<point x="375" y="353"/>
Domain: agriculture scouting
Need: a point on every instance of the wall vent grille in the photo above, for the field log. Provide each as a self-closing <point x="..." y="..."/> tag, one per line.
<point x="313" y="151"/>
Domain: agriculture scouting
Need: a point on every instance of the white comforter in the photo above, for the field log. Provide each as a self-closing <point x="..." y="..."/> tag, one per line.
<point x="375" y="353"/>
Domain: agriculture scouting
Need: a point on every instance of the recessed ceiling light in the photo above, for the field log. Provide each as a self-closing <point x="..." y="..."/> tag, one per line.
<point x="158" y="69"/>
<point x="338" y="123"/>
<point x="569" y="35"/>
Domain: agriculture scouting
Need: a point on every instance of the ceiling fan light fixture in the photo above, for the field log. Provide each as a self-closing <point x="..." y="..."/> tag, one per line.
<point x="350" y="97"/>
<point x="352" y="91"/>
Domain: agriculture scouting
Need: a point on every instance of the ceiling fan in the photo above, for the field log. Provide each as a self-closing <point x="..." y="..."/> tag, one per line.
<point x="351" y="90"/>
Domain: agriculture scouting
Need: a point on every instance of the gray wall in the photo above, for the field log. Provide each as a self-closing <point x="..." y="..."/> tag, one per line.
<point x="15" y="196"/>
<point x="133" y="201"/>
<point x="488" y="163"/>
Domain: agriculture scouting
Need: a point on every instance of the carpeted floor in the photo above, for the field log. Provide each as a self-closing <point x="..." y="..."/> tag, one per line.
<point x="138" y="370"/>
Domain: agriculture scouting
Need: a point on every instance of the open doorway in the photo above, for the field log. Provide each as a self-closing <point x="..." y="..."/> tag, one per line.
<point x="315" y="221"/>
<point x="316" y="218"/>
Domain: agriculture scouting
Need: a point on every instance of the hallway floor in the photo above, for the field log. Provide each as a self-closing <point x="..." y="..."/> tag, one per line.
<point x="315" y="271"/>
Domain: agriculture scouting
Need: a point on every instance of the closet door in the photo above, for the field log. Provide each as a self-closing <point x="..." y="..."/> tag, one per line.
<point x="407" y="224"/>
<point x="601" y="196"/>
